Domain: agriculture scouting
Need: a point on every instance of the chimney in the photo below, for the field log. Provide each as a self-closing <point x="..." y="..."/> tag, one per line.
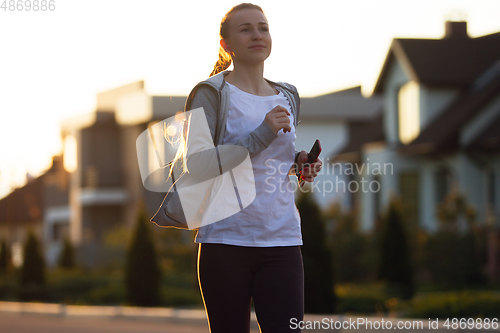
<point x="456" y="29"/>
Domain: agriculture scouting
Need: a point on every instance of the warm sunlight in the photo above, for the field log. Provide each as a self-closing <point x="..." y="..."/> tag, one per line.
<point x="320" y="47"/>
<point x="334" y="165"/>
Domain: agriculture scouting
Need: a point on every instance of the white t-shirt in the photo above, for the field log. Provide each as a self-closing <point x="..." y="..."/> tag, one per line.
<point x="272" y="218"/>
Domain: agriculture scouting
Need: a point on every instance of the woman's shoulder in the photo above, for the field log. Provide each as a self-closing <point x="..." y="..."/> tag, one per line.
<point x="285" y="85"/>
<point x="209" y="86"/>
<point x="203" y="94"/>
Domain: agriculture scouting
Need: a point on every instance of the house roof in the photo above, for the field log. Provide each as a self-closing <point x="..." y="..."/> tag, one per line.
<point x="27" y="204"/>
<point x="471" y="64"/>
<point x="24" y="204"/>
<point x="348" y="104"/>
<point x="456" y="60"/>
<point x="489" y="139"/>
<point x="360" y="133"/>
<point x="167" y="106"/>
<point x="442" y="133"/>
<point x="363" y="116"/>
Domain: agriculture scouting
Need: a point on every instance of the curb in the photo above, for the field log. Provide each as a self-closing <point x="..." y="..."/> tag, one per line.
<point x="190" y="316"/>
<point x="64" y="310"/>
<point x="187" y="316"/>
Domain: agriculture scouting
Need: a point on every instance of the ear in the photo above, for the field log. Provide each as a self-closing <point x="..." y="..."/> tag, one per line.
<point x="225" y="46"/>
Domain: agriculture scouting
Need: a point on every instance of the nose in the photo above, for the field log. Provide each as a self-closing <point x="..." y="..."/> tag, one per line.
<point x="257" y="34"/>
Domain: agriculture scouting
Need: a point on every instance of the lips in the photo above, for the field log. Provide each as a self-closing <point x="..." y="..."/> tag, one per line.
<point x="257" y="47"/>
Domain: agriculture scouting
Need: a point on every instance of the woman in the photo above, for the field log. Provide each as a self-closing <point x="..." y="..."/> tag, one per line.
<point x="255" y="253"/>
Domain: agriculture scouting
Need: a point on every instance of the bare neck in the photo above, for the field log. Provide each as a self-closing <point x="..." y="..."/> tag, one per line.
<point x="250" y="79"/>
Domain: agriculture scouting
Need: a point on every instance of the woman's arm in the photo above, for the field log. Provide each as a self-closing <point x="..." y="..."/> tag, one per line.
<point x="258" y="140"/>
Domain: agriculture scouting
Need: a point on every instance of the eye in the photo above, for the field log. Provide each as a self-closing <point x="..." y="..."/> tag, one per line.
<point x="244" y="30"/>
<point x="265" y="29"/>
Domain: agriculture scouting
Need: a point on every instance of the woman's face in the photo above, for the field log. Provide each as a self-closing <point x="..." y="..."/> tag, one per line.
<point x="249" y="40"/>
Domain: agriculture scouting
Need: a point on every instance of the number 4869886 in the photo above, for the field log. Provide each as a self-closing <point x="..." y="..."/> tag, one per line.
<point x="28" y="5"/>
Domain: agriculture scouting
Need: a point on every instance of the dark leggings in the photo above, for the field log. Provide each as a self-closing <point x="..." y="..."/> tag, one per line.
<point x="230" y="276"/>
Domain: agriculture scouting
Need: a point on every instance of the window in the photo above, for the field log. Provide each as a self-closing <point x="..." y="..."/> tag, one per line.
<point x="70" y="154"/>
<point x="59" y="231"/>
<point x="17" y="254"/>
<point x="377" y="199"/>
<point x="442" y="179"/>
<point x="490" y="187"/>
<point x="408" y="112"/>
<point x="409" y="189"/>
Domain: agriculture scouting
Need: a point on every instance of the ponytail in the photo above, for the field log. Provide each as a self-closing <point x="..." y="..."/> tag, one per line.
<point x="222" y="63"/>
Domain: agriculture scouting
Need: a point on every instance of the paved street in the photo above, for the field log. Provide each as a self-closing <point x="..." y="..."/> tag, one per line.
<point x="28" y="323"/>
<point x="44" y="323"/>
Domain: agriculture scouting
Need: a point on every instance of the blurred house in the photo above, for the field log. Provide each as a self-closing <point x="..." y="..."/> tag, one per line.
<point x="330" y="118"/>
<point x="432" y="123"/>
<point x="39" y="206"/>
<point x="105" y="187"/>
<point x="96" y="185"/>
<point x="440" y="128"/>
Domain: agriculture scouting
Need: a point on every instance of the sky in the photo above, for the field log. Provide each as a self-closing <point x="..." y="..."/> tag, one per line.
<point x="53" y="63"/>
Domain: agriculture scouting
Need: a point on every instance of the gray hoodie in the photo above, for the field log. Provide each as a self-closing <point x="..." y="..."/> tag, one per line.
<point x="213" y="95"/>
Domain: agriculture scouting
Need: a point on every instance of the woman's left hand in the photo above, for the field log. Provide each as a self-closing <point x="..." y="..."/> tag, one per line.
<point x="308" y="172"/>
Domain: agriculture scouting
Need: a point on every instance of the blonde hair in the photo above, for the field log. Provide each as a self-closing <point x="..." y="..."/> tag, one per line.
<point x="224" y="60"/>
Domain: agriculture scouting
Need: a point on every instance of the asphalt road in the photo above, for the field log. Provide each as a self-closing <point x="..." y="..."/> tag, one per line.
<point x="29" y="323"/>
<point x="16" y="323"/>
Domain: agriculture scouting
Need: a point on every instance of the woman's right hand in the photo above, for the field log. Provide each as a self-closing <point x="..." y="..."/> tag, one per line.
<point x="278" y="119"/>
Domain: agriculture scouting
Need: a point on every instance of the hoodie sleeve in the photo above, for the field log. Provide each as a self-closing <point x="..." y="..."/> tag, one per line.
<point x="258" y="140"/>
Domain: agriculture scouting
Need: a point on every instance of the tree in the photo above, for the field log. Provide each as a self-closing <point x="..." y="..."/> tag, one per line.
<point x="453" y="253"/>
<point x="142" y="275"/>
<point x="319" y="279"/>
<point x="32" y="277"/>
<point x="355" y="259"/>
<point x="33" y="269"/>
<point x="395" y="266"/>
<point x="4" y="257"/>
<point x="67" y="257"/>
